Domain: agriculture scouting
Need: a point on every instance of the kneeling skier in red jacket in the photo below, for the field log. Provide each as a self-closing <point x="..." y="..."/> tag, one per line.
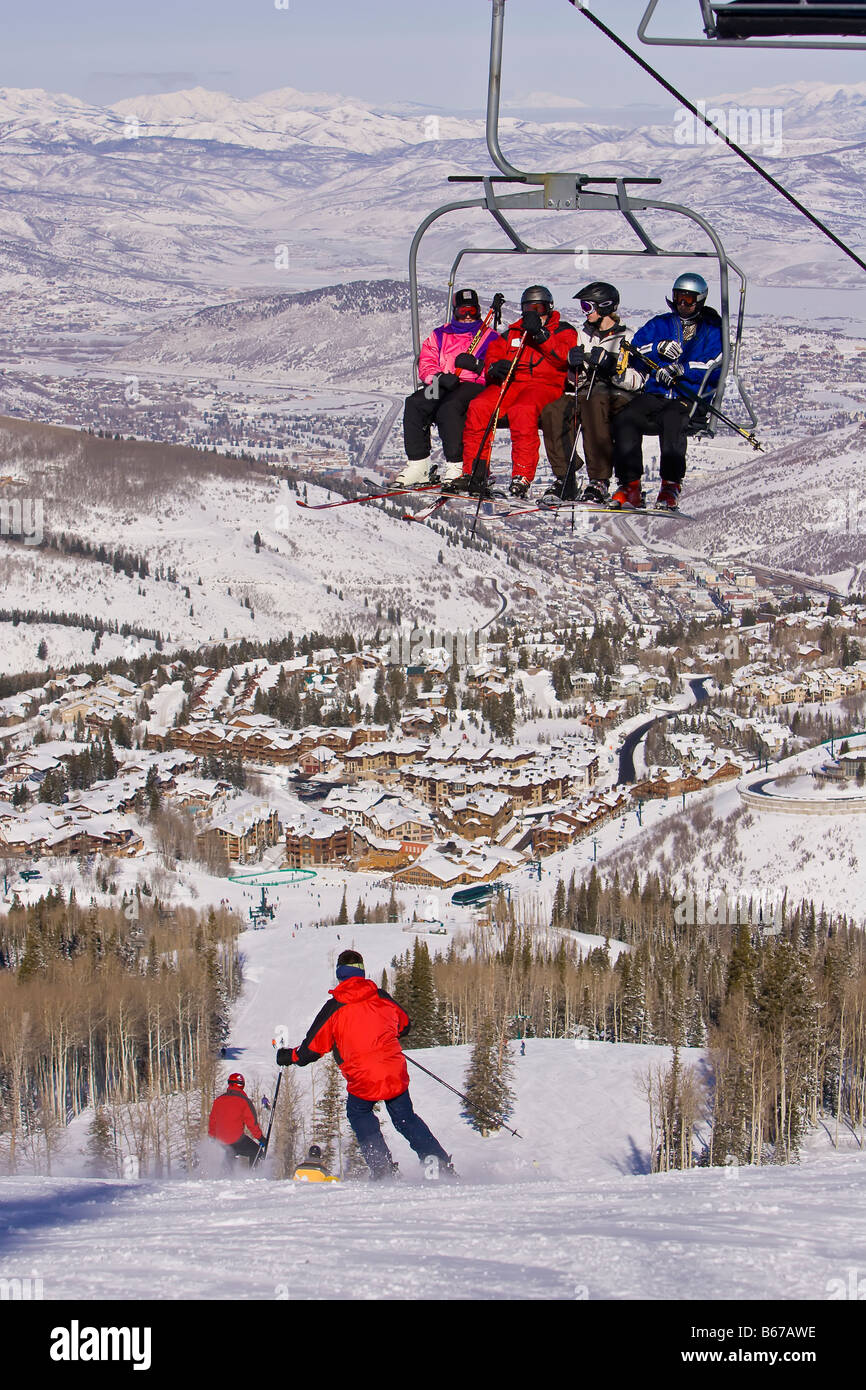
<point x="231" y="1114"/>
<point x="362" y="1025"/>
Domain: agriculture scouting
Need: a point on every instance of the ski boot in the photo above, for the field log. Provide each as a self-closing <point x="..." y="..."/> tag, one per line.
<point x="454" y="479"/>
<point x="596" y="493"/>
<point x="416" y="473"/>
<point x="629" y="495"/>
<point x="669" y="496"/>
<point x="519" y="488"/>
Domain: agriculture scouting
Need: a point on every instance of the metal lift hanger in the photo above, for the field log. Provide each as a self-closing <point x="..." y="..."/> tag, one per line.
<point x="576" y="192"/>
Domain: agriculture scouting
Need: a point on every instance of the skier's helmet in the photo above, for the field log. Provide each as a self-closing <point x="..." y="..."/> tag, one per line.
<point x="689" y="295"/>
<point x="537" y="297"/>
<point x="466" y="305"/>
<point x="237" y="1080"/>
<point x="314" y="1152"/>
<point x="600" y="296"/>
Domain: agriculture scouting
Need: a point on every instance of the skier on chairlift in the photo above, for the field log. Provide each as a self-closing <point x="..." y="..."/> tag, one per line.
<point x="535" y="350"/>
<point x="686" y="346"/>
<point x="447" y="389"/>
<point x="602" y="388"/>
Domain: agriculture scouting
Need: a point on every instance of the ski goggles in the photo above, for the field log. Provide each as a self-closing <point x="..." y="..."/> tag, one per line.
<point x="589" y="307"/>
<point x="685" y="297"/>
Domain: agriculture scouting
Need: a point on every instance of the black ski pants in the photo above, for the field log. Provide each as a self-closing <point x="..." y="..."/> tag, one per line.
<point x="650" y="414"/>
<point x="447" y="409"/>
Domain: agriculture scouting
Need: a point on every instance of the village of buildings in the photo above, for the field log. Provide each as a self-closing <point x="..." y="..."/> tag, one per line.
<point x="473" y="772"/>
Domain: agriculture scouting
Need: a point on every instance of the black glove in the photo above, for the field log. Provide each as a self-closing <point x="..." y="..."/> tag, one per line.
<point x="576" y="359"/>
<point x="533" y="325"/>
<point x="666" y="376"/>
<point x="467" y="362"/>
<point x="447" y="381"/>
<point x="497" y="372"/>
<point x="670" y="349"/>
<point x="284" y="1056"/>
<point x="603" y="363"/>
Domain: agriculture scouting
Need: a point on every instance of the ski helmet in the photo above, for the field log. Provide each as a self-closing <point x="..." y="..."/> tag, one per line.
<point x="534" y="297"/>
<point x="689" y="284"/>
<point x="314" y="1151"/>
<point x="464" y="299"/>
<point x="603" y="297"/>
<point x="237" y="1080"/>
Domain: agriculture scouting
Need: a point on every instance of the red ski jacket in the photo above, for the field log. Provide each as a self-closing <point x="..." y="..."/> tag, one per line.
<point x="230" y="1115"/>
<point x="361" y="1025"/>
<point x="547" y="363"/>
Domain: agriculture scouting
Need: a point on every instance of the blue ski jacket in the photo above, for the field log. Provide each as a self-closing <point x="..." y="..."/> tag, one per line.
<point x="699" y="351"/>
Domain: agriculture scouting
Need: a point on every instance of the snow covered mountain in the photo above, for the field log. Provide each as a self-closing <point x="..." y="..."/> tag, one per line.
<point x="113" y="215"/>
<point x="341" y="333"/>
<point x="758" y="514"/>
<point x="192" y="517"/>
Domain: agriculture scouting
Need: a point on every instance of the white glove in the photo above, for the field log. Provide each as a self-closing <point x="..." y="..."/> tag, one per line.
<point x="670" y="349"/>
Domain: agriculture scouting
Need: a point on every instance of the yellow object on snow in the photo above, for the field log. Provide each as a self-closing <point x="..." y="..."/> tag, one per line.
<point x="308" y="1173"/>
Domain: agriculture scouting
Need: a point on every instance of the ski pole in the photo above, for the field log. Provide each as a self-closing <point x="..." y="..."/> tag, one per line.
<point x="578" y="431"/>
<point x="492" y="313"/>
<point x="448" y="1087"/>
<point x="263" y="1151"/>
<point x="491" y="427"/>
<point x="686" y="395"/>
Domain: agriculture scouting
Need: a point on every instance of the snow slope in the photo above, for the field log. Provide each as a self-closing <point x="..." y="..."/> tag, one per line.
<point x="567" y="1212"/>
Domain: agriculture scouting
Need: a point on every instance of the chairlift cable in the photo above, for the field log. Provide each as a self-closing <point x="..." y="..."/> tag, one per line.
<point x="711" y="125"/>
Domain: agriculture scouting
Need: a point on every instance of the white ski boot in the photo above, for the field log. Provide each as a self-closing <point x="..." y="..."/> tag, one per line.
<point x="416" y="473"/>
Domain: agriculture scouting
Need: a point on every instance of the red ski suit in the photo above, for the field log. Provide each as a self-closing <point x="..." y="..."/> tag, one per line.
<point x="361" y="1025"/>
<point x="230" y="1115"/>
<point x="538" y="379"/>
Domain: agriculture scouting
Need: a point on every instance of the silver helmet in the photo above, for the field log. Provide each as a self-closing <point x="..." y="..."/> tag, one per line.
<point x="692" y="284"/>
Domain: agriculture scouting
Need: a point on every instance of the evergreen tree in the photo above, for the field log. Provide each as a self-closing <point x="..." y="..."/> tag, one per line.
<point x="326" y="1126"/>
<point x="489" y="1098"/>
<point x="422" y="997"/>
<point x="101" y="1161"/>
<point x="343" y="914"/>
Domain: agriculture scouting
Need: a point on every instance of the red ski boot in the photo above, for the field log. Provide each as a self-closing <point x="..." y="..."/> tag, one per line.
<point x="629" y="495"/>
<point x="669" y="496"/>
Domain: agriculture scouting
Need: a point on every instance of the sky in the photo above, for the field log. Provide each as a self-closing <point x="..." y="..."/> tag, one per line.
<point x="382" y="51"/>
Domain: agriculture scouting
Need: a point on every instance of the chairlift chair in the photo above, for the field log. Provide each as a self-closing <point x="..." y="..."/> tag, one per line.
<point x="836" y="24"/>
<point x="573" y="192"/>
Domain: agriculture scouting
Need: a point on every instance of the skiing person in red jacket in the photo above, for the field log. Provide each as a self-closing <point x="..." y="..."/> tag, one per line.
<point x="362" y="1025"/>
<point x="541" y="340"/>
<point x="231" y="1114"/>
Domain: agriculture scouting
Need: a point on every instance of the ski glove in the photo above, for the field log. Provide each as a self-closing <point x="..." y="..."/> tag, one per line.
<point x="603" y="363"/>
<point x="576" y="358"/>
<point x="467" y="362"/>
<point x="534" y="327"/>
<point x="497" y="372"/>
<point x="284" y="1056"/>
<point x="666" y="376"/>
<point x="447" y="381"/>
<point x="670" y="349"/>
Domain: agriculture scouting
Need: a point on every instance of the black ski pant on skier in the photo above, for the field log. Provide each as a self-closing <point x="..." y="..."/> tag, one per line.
<point x="656" y="415"/>
<point x="447" y="409"/>
<point x="245" y="1147"/>
<point x="595" y="414"/>
<point x="362" y="1118"/>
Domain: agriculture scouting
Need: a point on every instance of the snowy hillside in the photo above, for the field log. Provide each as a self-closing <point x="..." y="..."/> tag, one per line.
<point x="193" y="518"/>
<point x="802" y="508"/>
<point x="567" y="1212"/>
<point x="342" y="333"/>
<point x="114" y="214"/>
